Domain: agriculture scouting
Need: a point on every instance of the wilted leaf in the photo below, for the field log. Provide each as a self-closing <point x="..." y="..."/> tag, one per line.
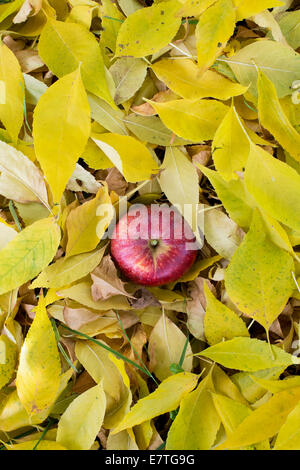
<point x="128" y="74"/>
<point x="106" y="282"/>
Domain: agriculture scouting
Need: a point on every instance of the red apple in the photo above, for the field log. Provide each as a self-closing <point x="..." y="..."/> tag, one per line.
<point x="153" y="245"/>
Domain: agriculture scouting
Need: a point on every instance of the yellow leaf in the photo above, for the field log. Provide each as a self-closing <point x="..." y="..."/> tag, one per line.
<point x="82" y="223"/>
<point x="246" y="8"/>
<point x="28" y="254"/>
<point x="38" y="375"/>
<point x="136" y="165"/>
<point x="165" y="347"/>
<point x="289" y="434"/>
<point x="197" y="423"/>
<point x="258" y="279"/>
<point x="179" y="181"/>
<point x="7" y="233"/>
<point x="195" y="120"/>
<point x="273" y="118"/>
<point x="230" y="147"/>
<point x="274" y="185"/>
<point x="149" y="29"/>
<point x="231" y="412"/>
<point x="8" y="357"/>
<point x="82" y="420"/>
<point x="67" y="270"/>
<point x="265" y="421"/>
<point x="60" y="142"/>
<point x="121" y="441"/>
<point x="248" y="354"/>
<point x="165" y="398"/>
<point x="183" y="77"/>
<point x="65" y="46"/>
<point x="213" y="30"/>
<point x="194" y="7"/>
<point x="11" y="111"/>
<point x="221" y="323"/>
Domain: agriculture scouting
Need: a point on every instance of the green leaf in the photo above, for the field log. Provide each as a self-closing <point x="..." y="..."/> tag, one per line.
<point x="65" y="46"/>
<point x="248" y="354"/>
<point x="290" y="26"/>
<point x="149" y="29"/>
<point x="28" y="254"/>
<point x="258" y="279"/>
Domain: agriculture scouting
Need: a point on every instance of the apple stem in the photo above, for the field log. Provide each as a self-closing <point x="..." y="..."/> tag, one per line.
<point x="153" y="243"/>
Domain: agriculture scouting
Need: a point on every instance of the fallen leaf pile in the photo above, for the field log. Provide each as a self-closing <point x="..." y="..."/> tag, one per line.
<point x="185" y="102"/>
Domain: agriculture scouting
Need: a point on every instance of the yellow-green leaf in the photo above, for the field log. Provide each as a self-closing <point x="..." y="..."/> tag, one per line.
<point x="149" y="29"/>
<point x="28" y="254"/>
<point x="274" y="185"/>
<point x="65" y="46"/>
<point x="60" y="142"/>
<point x="82" y="420"/>
<point x="83" y="223"/>
<point x="289" y="434"/>
<point x="67" y="270"/>
<point x="136" y="165"/>
<point x="231" y="412"/>
<point x="197" y="423"/>
<point x="11" y="110"/>
<point x="258" y="279"/>
<point x="221" y="323"/>
<point x="8" y="357"/>
<point x="248" y="354"/>
<point x="165" y="398"/>
<point x="195" y="120"/>
<point x="265" y="421"/>
<point x="230" y="147"/>
<point x="182" y="76"/>
<point x="213" y="30"/>
<point x="38" y="375"/>
<point x="273" y="118"/>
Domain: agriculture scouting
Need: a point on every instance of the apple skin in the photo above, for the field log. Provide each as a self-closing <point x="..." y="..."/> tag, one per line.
<point x="157" y="255"/>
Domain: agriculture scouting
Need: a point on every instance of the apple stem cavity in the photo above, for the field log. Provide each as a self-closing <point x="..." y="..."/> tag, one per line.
<point x="154" y="243"/>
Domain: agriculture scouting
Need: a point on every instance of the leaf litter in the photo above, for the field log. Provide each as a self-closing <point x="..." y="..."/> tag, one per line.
<point x="104" y="103"/>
